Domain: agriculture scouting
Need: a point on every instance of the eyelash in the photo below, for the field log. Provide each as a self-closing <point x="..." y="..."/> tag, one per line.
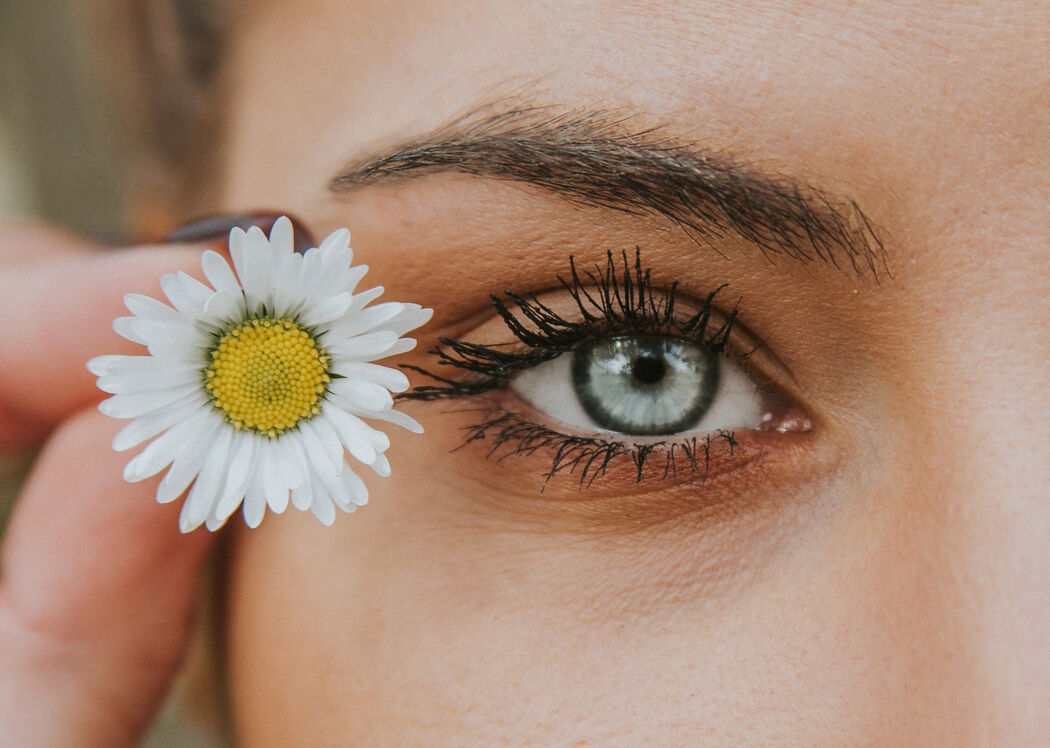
<point x="610" y="302"/>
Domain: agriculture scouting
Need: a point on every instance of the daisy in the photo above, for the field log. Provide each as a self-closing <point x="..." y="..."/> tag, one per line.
<point x="257" y="386"/>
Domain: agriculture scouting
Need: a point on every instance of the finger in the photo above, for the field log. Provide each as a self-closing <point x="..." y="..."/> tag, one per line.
<point x="58" y="313"/>
<point x="96" y="596"/>
<point x="26" y="243"/>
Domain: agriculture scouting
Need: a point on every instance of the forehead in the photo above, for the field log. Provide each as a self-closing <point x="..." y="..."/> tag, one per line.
<point x="804" y="86"/>
<point x="689" y="59"/>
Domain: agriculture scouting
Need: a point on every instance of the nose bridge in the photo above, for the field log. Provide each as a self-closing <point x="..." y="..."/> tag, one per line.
<point x="1010" y="567"/>
<point x="995" y="544"/>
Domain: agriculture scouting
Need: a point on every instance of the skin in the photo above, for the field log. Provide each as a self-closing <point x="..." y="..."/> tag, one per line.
<point x="875" y="581"/>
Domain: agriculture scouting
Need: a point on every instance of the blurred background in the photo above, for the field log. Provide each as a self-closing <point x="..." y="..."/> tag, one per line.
<point x="63" y="163"/>
<point x="58" y="160"/>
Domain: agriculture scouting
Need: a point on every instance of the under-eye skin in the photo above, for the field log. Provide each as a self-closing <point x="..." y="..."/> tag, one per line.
<point x="611" y="369"/>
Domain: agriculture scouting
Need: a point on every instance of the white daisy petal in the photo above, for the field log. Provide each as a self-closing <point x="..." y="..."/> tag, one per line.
<point x="384" y="376"/>
<point x="381" y="466"/>
<point x="411" y="317"/>
<point x="256" y="284"/>
<point x="219" y="273"/>
<point x="334" y="263"/>
<point x="148" y="378"/>
<point x="248" y="250"/>
<point x="337" y="240"/>
<point x="313" y="280"/>
<point x="379" y="440"/>
<point x="328" y="310"/>
<point x="205" y="490"/>
<point x="153" y="331"/>
<point x="395" y="417"/>
<point x="213" y="523"/>
<point x="353" y="433"/>
<point x="323" y="509"/>
<point x="173" y="349"/>
<point x="101" y="365"/>
<point x="349" y="282"/>
<point x="255" y="503"/>
<point x="302" y="496"/>
<point x="146" y="307"/>
<point x="278" y="501"/>
<point x="366" y="320"/>
<point x="160" y="453"/>
<point x="238" y="245"/>
<point x="402" y="345"/>
<point x="146" y="427"/>
<point x="364" y="347"/>
<point x="355" y="486"/>
<point x="136" y="404"/>
<point x="330" y="440"/>
<point x="341" y="493"/>
<point x="326" y="483"/>
<point x="285" y="300"/>
<point x="187" y="294"/>
<point x="122" y="326"/>
<point x="135" y="368"/>
<point x="239" y="475"/>
<point x="292" y="459"/>
<point x="364" y="298"/>
<point x="275" y="486"/>
<point x="255" y="389"/>
<point x="362" y="394"/>
<point x="316" y="451"/>
<point x="187" y="464"/>
<point x="282" y="234"/>
<point x="223" y="307"/>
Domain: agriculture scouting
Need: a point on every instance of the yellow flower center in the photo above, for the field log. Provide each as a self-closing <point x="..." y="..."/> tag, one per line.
<point x="267" y="375"/>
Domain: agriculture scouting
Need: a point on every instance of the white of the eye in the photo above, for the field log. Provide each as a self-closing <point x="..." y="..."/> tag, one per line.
<point x="548" y="388"/>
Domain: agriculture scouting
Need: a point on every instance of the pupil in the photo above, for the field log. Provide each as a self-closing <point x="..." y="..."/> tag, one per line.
<point x="645" y="385"/>
<point x="648" y="369"/>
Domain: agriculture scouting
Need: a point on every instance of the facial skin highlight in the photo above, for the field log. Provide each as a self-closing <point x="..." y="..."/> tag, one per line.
<point x="878" y="584"/>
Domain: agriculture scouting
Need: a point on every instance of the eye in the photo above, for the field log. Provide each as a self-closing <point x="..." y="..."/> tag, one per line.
<point x="618" y="372"/>
<point x="643" y="385"/>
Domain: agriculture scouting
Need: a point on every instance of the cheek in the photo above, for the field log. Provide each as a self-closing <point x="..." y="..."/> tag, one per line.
<point x="442" y="616"/>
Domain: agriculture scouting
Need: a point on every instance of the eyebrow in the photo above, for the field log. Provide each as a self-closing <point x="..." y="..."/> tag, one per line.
<point x="597" y="159"/>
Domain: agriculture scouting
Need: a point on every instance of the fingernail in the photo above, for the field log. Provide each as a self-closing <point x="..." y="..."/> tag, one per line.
<point x="217" y="228"/>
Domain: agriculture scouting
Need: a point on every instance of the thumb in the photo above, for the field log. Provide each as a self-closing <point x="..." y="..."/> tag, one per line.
<point x="96" y="596"/>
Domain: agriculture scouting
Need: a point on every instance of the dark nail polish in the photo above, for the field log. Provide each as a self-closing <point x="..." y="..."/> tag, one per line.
<point x="218" y="228"/>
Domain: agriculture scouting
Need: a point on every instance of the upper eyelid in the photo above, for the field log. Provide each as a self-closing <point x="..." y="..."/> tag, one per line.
<point x="628" y="289"/>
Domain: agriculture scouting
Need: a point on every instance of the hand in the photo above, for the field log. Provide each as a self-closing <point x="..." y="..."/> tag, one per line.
<point x="97" y="585"/>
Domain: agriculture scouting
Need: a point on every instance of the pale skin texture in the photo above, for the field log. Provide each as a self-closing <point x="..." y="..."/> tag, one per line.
<point x="880" y="581"/>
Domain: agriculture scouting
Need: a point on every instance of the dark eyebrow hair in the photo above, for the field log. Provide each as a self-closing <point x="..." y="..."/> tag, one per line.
<point x="597" y="160"/>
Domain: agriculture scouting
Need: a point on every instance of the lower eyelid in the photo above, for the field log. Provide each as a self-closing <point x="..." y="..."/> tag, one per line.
<point x="528" y="453"/>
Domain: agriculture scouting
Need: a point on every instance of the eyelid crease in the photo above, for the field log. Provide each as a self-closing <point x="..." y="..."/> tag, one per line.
<point x="608" y="303"/>
<point x="659" y="305"/>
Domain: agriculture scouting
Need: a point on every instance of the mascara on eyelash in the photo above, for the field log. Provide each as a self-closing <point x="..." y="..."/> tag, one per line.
<point x="610" y="302"/>
<point x="588" y="457"/>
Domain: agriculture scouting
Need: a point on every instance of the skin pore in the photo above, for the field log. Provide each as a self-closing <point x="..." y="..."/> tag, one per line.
<point x="875" y="581"/>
